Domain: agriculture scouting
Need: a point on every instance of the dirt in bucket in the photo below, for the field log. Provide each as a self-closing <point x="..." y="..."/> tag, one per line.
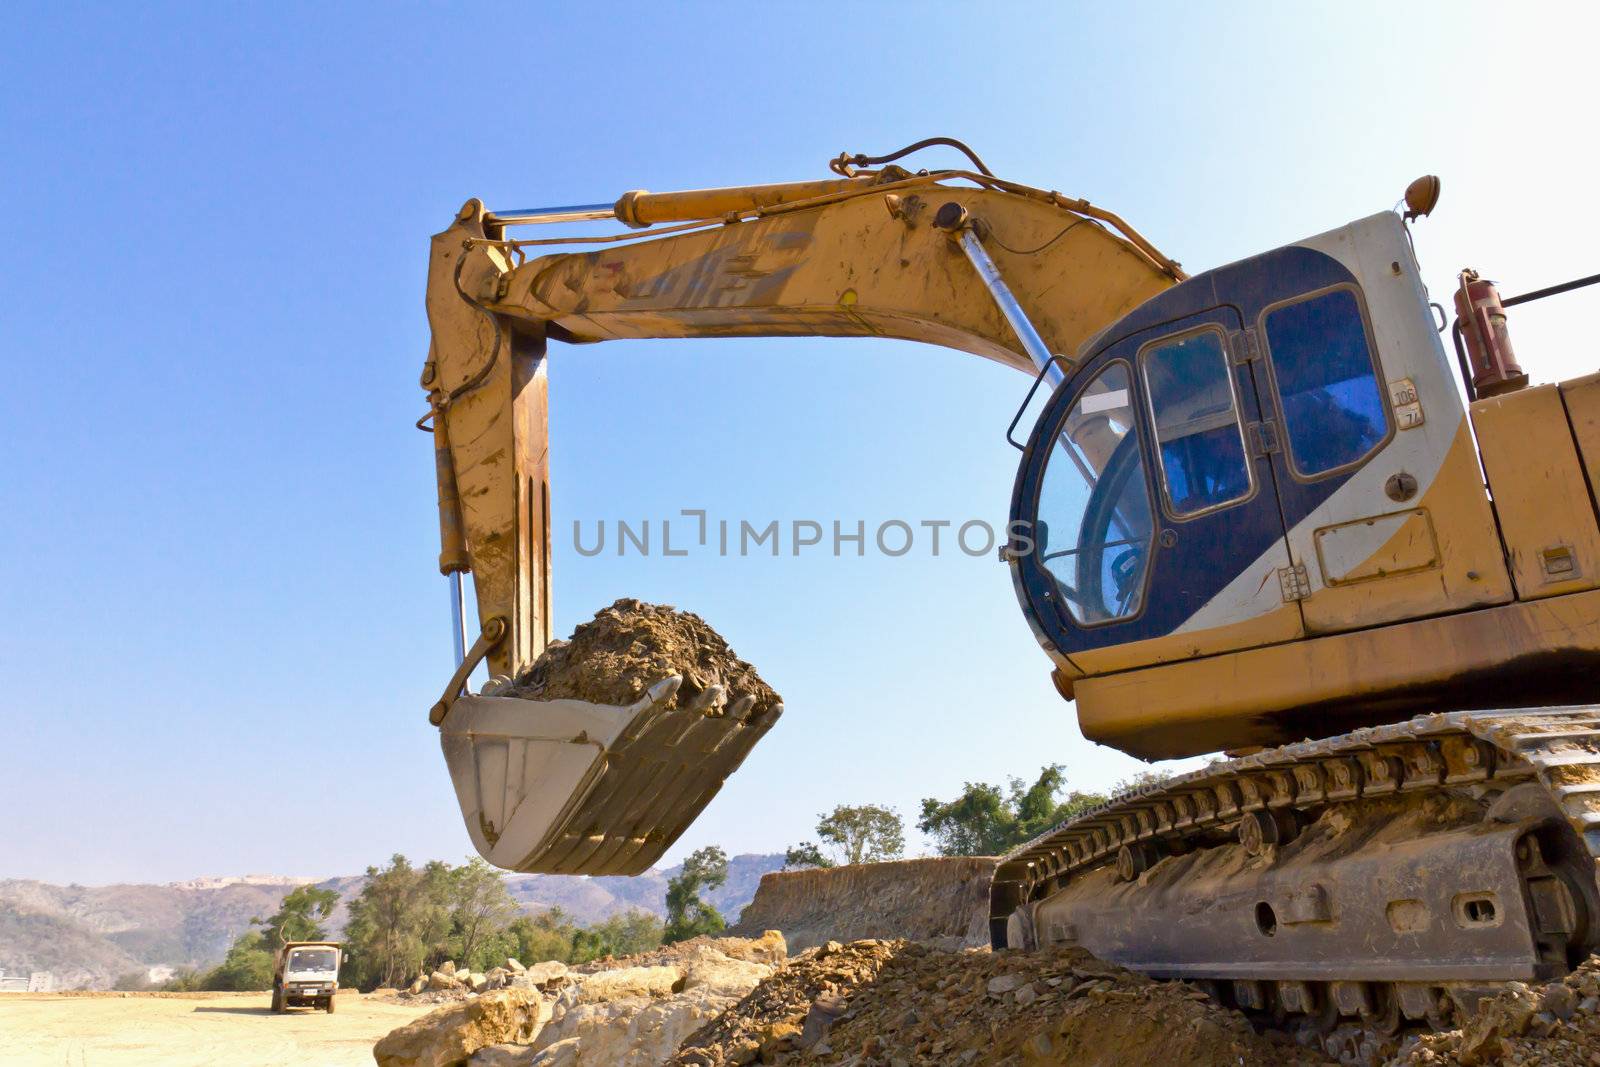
<point x="626" y="648"/>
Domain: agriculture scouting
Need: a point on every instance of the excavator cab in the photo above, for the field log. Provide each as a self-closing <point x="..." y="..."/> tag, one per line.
<point x="1247" y="495"/>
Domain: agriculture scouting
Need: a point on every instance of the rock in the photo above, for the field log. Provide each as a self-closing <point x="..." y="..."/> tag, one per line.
<point x="542" y="973"/>
<point x="770" y="948"/>
<point x="448" y="1036"/>
<point x="561" y="1054"/>
<point x="417" y="987"/>
<point x="1589" y="1005"/>
<point x="502" y="1056"/>
<point x="448" y="967"/>
<point x="478" y="983"/>
<point x="1003" y="984"/>
<point x="819" y="1020"/>
<point x="1560" y="1001"/>
<point x="515" y="965"/>
<point x="1026" y="995"/>
<point x="706" y="968"/>
<point x="440" y="982"/>
<point x="630" y="982"/>
<point x="1505" y="1015"/>
<point x="626" y="1032"/>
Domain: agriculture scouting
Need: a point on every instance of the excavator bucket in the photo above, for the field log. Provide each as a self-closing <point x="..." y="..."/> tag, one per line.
<point x="570" y="787"/>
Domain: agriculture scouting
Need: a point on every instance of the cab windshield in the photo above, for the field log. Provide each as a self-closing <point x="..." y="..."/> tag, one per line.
<point x="1094" y="528"/>
<point x="312" y="959"/>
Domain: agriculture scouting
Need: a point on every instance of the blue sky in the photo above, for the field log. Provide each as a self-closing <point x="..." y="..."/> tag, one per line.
<point x="218" y="554"/>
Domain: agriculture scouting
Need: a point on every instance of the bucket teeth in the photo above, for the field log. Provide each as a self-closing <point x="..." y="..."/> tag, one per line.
<point x="708" y="700"/>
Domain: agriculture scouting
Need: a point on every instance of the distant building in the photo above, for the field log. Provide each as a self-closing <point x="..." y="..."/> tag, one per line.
<point x="32" y="982"/>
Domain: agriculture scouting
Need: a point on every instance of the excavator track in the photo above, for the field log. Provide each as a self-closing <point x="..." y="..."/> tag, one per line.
<point x="1388" y="874"/>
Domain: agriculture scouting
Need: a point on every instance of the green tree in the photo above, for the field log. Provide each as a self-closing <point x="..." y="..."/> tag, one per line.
<point x="545" y="936"/>
<point x="626" y="934"/>
<point x="248" y="966"/>
<point x="387" y="920"/>
<point x="986" y="821"/>
<point x="300" y="917"/>
<point x="687" y="915"/>
<point x="806" y="854"/>
<point x="185" y="980"/>
<point x="480" y="910"/>
<point x="865" y="834"/>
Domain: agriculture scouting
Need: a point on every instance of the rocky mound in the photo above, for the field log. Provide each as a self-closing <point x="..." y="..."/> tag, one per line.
<point x="889" y="1003"/>
<point x="943" y="899"/>
<point x="628" y="647"/>
<point x="631" y="1012"/>
<point x="1557" y="1025"/>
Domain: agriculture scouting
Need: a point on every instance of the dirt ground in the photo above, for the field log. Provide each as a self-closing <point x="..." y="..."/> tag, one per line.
<point x="235" y="1029"/>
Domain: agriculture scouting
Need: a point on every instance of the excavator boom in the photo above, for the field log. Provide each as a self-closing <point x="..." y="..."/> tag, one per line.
<point x="557" y="787"/>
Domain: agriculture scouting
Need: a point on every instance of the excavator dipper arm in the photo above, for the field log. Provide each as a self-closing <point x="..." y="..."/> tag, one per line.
<point x="876" y="254"/>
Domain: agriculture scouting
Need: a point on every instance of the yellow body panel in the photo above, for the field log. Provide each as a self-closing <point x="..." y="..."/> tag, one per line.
<point x="1267" y="629"/>
<point x="1541" y="497"/>
<point x="1412" y="545"/>
<point x="1443" y="554"/>
<point x="1582" y="398"/>
<point x="1336" y="682"/>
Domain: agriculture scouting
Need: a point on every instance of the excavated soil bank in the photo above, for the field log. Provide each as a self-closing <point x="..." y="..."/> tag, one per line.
<point x="941" y="898"/>
<point x="615" y="657"/>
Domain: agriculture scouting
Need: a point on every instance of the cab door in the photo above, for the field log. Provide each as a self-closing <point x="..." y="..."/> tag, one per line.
<point x="1157" y="530"/>
<point x="1377" y="474"/>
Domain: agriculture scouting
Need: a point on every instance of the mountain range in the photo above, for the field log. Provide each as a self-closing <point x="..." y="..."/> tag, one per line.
<point x="88" y="936"/>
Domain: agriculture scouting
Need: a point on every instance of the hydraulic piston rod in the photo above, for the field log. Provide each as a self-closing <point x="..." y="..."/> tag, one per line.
<point x="458" y="617"/>
<point x="953" y="218"/>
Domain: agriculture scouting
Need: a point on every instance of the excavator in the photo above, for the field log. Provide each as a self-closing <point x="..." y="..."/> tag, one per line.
<point x="1261" y="512"/>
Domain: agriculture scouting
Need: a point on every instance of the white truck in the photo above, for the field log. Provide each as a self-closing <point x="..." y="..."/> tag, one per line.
<point x="306" y="975"/>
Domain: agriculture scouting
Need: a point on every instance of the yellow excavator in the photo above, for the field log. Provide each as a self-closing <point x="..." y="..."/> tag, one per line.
<point x="1262" y="512"/>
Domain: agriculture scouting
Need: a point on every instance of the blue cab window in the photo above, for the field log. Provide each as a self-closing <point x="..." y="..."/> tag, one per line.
<point x="1190" y="383"/>
<point x="1333" y="409"/>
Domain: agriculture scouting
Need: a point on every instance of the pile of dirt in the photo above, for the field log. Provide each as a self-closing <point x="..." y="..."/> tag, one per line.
<point x="943" y="899"/>
<point x="893" y="1003"/>
<point x="1555" y="1025"/>
<point x="615" y="657"/>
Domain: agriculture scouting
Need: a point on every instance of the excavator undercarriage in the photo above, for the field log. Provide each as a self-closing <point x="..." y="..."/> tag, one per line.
<point x="1384" y="875"/>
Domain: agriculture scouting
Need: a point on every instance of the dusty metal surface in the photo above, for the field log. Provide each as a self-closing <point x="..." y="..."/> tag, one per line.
<point x="1391" y="868"/>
